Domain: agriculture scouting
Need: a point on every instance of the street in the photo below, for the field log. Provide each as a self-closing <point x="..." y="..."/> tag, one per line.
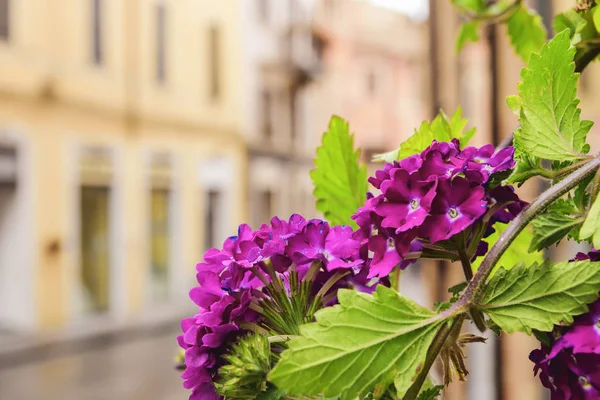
<point x="131" y="370"/>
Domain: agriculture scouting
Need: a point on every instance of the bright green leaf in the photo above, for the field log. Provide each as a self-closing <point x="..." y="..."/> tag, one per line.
<point x="559" y="220"/>
<point x="596" y="18"/>
<point x="550" y="124"/>
<point x="516" y="253"/>
<point x="514" y="103"/>
<point x="526" y="31"/>
<point x="442" y="129"/>
<point x="469" y="32"/>
<point x="570" y="20"/>
<point x="364" y="341"/>
<point x="539" y="297"/>
<point x="591" y="225"/>
<point x="272" y="393"/>
<point x="470" y="5"/>
<point x="431" y="393"/>
<point x="340" y="181"/>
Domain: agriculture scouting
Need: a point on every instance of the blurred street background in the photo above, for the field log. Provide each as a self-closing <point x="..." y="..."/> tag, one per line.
<point x="136" y="134"/>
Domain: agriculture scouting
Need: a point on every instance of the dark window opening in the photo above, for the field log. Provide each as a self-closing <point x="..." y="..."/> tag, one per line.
<point x="97" y="42"/>
<point x="266" y="105"/>
<point x="4" y="19"/>
<point x="214" y="47"/>
<point x="211" y="218"/>
<point x="263" y="11"/>
<point x="161" y="43"/>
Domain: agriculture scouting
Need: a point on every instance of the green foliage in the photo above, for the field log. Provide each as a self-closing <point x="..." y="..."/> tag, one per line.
<point x="340" y="181"/>
<point x="431" y="393"/>
<point x="442" y="129"/>
<point x="363" y="342"/>
<point x="526" y="31"/>
<point x="272" y="393"/>
<point x="572" y="21"/>
<point x="539" y="297"/>
<point x="549" y="116"/>
<point x="244" y="374"/>
<point x="561" y="218"/>
<point x="591" y="225"/>
<point x="525" y="27"/>
<point x="469" y="32"/>
<point x="516" y="253"/>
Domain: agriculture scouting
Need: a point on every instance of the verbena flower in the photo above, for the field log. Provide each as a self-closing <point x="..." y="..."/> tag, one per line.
<point x="570" y="365"/>
<point x="429" y="198"/>
<point x="271" y="280"/>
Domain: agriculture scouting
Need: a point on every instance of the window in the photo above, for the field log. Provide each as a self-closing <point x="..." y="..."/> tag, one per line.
<point x="263" y="11"/>
<point x="4" y="19"/>
<point x="214" y="44"/>
<point x="97" y="42"/>
<point x="161" y="73"/>
<point x="263" y="207"/>
<point x="95" y="249"/>
<point x="371" y="83"/>
<point x="266" y="102"/>
<point x="211" y="218"/>
<point x="159" y="242"/>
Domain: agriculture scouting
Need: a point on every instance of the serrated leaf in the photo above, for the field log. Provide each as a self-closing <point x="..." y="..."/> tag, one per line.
<point x="550" y="124"/>
<point x="431" y="393"/>
<point x="362" y="342"/>
<point x="551" y="227"/>
<point x="570" y="20"/>
<point x="469" y="32"/>
<point x="442" y="129"/>
<point x="526" y="31"/>
<point x="539" y="297"/>
<point x="514" y="104"/>
<point x="340" y="180"/>
<point x="517" y="252"/>
<point x="591" y="225"/>
<point x="596" y="18"/>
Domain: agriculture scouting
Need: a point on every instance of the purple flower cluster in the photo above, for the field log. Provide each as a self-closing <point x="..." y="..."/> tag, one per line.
<point x="231" y="279"/>
<point x="570" y="366"/>
<point x="429" y="198"/>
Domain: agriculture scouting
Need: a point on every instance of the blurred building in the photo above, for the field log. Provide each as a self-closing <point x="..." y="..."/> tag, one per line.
<point x="121" y="154"/>
<point x="281" y="60"/>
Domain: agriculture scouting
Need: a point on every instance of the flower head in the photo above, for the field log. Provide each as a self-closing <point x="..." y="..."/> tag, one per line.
<point x="570" y="365"/>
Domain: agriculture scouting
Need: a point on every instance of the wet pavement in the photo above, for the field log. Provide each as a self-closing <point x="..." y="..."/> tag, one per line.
<point x="130" y="370"/>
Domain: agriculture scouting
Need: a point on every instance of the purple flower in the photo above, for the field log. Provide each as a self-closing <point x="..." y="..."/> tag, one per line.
<point x="456" y="207"/>
<point x="570" y="366"/>
<point x="408" y="200"/>
<point x="334" y="246"/>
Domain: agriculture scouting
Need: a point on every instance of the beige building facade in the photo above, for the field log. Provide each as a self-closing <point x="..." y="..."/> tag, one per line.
<point x="121" y="155"/>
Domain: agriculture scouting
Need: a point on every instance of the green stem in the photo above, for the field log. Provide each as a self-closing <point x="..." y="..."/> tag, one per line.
<point x="492" y="16"/>
<point x="436" y="346"/>
<point x="474" y="291"/>
<point x="476" y="315"/>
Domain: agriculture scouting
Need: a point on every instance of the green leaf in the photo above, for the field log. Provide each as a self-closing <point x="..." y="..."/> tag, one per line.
<point x="272" y="393"/>
<point x="471" y="5"/>
<point x="431" y="393"/>
<point x="442" y="129"/>
<point x="364" y="341"/>
<point x="514" y="103"/>
<point x="517" y="252"/>
<point x="540" y="297"/>
<point x="596" y="18"/>
<point x="526" y="31"/>
<point x="469" y="32"/>
<point x="570" y="20"/>
<point x="550" y="123"/>
<point x="340" y="181"/>
<point x="591" y="225"/>
<point x="551" y="227"/>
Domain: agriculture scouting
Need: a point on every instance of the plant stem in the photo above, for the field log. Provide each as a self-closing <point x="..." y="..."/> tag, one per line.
<point x="474" y="291"/>
<point x="436" y="346"/>
<point x="476" y="315"/>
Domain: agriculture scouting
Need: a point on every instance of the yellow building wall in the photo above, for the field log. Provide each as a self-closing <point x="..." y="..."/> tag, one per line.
<point x="57" y="102"/>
